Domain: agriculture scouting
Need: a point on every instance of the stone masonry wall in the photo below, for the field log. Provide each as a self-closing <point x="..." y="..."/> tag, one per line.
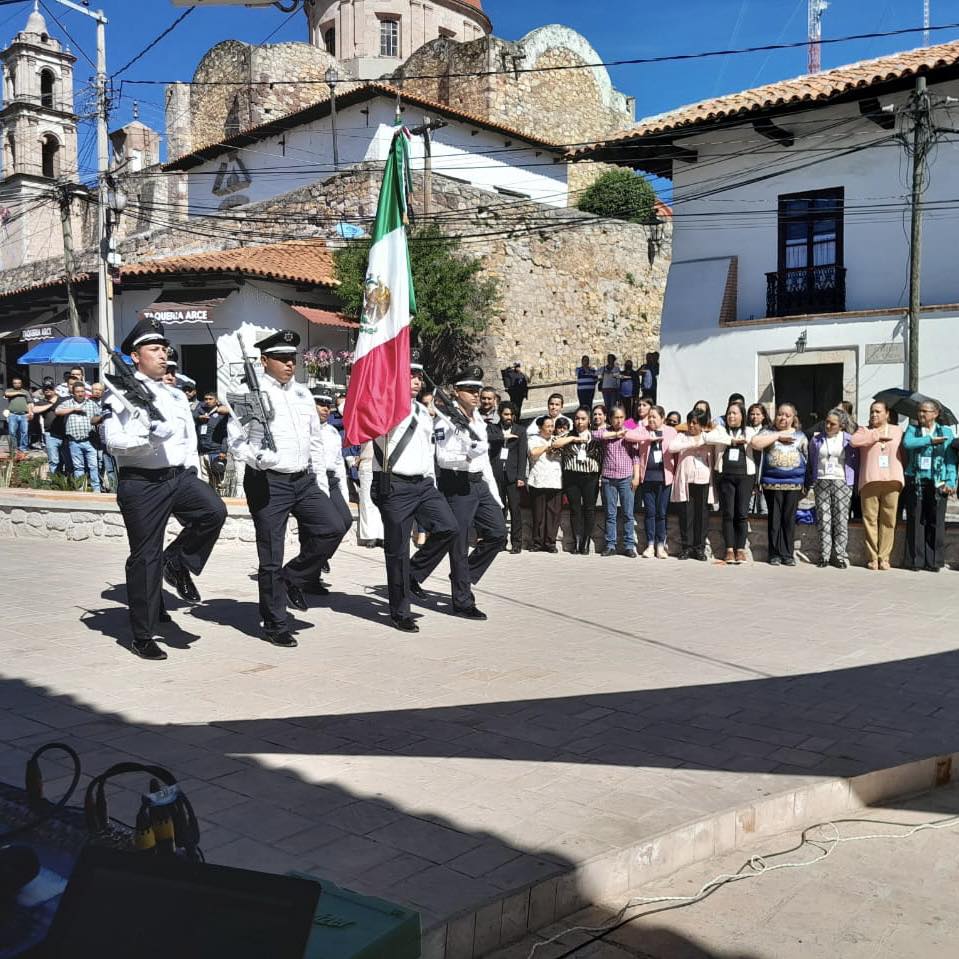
<point x="570" y="283"/>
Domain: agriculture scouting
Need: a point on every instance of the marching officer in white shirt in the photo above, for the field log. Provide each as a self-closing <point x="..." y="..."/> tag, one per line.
<point x="158" y="477"/>
<point x="404" y="489"/>
<point x="291" y="481"/>
<point x="466" y="480"/>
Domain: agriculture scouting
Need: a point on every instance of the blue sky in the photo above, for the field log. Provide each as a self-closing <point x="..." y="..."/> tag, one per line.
<point x="618" y="29"/>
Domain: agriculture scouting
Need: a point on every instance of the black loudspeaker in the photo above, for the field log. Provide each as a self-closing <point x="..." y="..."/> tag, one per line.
<point x="120" y="905"/>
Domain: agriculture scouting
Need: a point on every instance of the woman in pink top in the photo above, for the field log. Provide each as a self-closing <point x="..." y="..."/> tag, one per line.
<point x="881" y="480"/>
<point x="641" y="407"/>
<point x="693" y="467"/>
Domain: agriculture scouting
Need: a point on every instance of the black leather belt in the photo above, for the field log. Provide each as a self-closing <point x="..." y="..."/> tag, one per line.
<point x="154" y="476"/>
<point x="406" y="479"/>
<point x="473" y="477"/>
<point x="286" y="476"/>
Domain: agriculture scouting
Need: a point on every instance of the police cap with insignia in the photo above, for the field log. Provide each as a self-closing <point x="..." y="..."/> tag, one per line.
<point x="416" y="361"/>
<point x="469" y="376"/>
<point x="143" y="334"/>
<point x="322" y="399"/>
<point x="281" y="343"/>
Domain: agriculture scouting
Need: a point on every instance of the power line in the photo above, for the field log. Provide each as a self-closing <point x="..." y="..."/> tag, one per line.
<point x="633" y="61"/>
<point x="155" y="41"/>
<point x="66" y="33"/>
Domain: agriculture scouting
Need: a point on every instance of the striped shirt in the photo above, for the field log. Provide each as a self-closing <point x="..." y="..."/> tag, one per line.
<point x="582" y="458"/>
<point x="586" y="378"/>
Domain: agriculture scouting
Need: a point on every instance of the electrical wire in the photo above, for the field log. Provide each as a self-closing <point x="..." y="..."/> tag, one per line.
<point x="634" y="61"/>
<point x="157" y="39"/>
<point x="753" y="868"/>
<point x="66" y="33"/>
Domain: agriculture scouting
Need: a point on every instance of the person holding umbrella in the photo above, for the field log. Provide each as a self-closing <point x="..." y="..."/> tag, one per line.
<point x="931" y="475"/>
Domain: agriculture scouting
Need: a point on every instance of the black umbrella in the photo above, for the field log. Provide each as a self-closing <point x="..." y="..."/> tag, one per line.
<point x="906" y="403"/>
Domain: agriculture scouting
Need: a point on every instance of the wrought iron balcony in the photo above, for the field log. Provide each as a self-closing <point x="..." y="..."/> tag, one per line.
<point x="809" y="289"/>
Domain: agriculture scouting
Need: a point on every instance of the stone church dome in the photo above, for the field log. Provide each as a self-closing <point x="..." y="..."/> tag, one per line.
<point x="35" y="22"/>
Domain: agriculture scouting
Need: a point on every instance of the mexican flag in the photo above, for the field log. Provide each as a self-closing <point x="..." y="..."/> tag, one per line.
<point x="379" y="393"/>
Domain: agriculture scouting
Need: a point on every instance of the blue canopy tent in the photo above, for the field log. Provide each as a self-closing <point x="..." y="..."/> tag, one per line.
<point x="69" y="350"/>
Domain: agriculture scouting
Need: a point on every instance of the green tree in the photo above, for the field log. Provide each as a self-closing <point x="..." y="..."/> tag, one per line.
<point x="453" y="299"/>
<point x="620" y="194"/>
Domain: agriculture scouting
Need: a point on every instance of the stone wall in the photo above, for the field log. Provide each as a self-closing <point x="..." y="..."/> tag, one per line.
<point x="570" y="283"/>
<point x="232" y="89"/>
<point x="561" y="105"/>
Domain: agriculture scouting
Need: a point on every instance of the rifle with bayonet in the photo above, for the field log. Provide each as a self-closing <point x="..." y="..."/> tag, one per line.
<point x="133" y="393"/>
<point x="253" y="407"/>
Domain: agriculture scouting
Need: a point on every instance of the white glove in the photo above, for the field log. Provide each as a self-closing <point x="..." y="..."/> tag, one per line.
<point x="267" y="459"/>
<point x="161" y="431"/>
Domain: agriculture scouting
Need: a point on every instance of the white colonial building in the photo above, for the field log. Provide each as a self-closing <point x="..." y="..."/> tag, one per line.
<point x="790" y="268"/>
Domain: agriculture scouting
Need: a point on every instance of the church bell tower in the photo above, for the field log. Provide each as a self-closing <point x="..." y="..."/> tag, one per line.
<point x="39" y="131"/>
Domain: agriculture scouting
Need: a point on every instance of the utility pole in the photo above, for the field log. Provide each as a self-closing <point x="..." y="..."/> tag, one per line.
<point x="920" y="111"/>
<point x="69" y="263"/>
<point x="926" y="21"/>
<point x="814" y="59"/>
<point x="427" y="127"/>
<point x="105" y="284"/>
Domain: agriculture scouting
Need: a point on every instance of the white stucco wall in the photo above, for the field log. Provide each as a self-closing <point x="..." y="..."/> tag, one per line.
<point x="305" y="155"/>
<point x="701" y="359"/>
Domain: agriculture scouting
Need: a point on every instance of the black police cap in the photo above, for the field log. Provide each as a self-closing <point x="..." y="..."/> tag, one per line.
<point x="469" y="376"/>
<point x="145" y="332"/>
<point x="280" y="343"/>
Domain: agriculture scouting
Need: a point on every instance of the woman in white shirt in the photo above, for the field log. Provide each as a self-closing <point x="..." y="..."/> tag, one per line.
<point x="545" y="483"/>
<point x="831" y="472"/>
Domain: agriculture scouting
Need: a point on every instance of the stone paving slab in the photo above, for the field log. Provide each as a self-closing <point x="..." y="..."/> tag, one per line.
<point x="492" y="775"/>
<point x="890" y="897"/>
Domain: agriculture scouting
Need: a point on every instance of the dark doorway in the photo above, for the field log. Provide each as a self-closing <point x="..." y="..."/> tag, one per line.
<point x="814" y="389"/>
<point x="199" y="363"/>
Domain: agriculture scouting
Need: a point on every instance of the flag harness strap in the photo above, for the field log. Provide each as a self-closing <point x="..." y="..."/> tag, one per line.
<point x="404" y="441"/>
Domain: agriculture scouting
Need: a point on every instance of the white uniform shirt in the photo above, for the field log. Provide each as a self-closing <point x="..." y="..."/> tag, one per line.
<point x="333" y="448"/>
<point x="457" y="450"/>
<point x="296" y="430"/>
<point x="417" y="456"/>
<point x="128" y="435"/>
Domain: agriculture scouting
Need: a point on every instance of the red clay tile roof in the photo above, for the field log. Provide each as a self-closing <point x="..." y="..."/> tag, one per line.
<point x="347" y="94"/>
<point x="326" y="317"/>
<point x="809" y="88"/>
<point x="297" y="261"/>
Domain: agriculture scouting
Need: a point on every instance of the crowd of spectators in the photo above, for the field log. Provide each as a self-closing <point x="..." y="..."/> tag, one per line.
<point x="620" y="454"/>
<point x="624" y="453"/>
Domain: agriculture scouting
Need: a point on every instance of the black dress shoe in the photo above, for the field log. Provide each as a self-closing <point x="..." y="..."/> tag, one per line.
<point x="469" y="612"/>
<point x="583" y="548"/>
<point x="179" y="579"/>
<point x="684" y="554"/>
<point x="319" y="588"/>
<point x="416" y="589"/>
<point x="550" y="549"/>
<point x="609" y="551"/>
<point x="630" y="554"/>
<point x="295" y="597"/>
<point x="280" y="637"/>
<point x="699" y="555"/>
<point x="405" y="624"/>
<point x="516" y="550"/>
<point x="147" y="649"/>
<point x="823" y="563"/>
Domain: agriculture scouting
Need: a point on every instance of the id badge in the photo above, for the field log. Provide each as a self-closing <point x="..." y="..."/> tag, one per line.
<point x="581" y="454"/>
<point x="734" y="455"/>
<point x="657" y="456"/>
<point x="883" y="461"/>
<point x="203" y="427"/>
<point x="925" y="463"/>
<point x="504" y="453"/>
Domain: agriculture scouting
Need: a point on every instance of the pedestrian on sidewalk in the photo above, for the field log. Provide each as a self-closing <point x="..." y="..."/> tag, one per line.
<point x="881" y="480"/>
<point x="931" y="480"/>
<point x="735" y="480"/>
<point x="654" y="441"/>
<point x="581" y="465"/>
<point x="19" y="414"/>
<point x="82" y="416"/>
<point x="620" y="479"/>
<point x="694" y="460"/>
<point x="831" y="472"/>
<point x="783" y="479"/>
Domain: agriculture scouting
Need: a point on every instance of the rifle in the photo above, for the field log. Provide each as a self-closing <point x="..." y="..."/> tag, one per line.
<point x="133" y="392"/>
<point x="254" y="406"/>
<point x="449" y="409"/>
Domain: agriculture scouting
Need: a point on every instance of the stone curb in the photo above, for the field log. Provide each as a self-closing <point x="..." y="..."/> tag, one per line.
<point x="500" y="922"/>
